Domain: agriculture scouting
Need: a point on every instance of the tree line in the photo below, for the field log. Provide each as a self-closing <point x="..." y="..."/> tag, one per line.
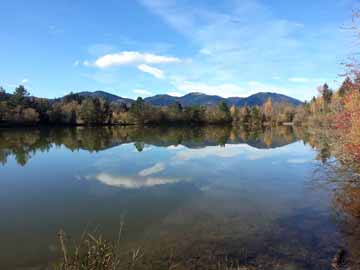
<point x="19" y="108"/>
<point x="337" y="112"/>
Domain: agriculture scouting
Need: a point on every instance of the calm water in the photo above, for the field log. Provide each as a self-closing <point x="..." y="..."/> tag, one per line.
<point x="249" y="196"/>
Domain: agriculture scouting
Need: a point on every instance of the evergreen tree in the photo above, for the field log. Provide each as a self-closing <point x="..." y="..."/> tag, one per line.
<point x="88" y="112"/>
<point x="137" y="109"/>
<point x="19" y="95"/>
<point x="255" y="113"/>
<point x="346" y="87"/>
<point x="139" y="146"/>
<point x="223" y="107"/>
<point x="73" y="97"/>
<point x="225" y="111"/>
<point x="2" y="91"/>
<point x="138" y="106"/>
<point x="326" y="94"/>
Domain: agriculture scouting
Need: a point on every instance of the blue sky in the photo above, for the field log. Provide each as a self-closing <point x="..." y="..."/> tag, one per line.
<point x="142" y="47"/>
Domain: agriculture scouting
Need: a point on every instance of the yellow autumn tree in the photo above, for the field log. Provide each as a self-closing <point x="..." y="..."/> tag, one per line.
<point x="268" y="109"/>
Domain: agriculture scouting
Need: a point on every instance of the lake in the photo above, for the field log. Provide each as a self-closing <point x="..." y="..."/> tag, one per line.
<point x="202" y="192"/>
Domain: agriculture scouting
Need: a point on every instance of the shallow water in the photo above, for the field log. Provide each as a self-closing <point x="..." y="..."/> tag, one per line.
<point x="248" y="196"/>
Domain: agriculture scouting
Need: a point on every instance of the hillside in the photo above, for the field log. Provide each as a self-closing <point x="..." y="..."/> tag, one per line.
<point x="196" y="99"/>
<point x="107" y="96"/>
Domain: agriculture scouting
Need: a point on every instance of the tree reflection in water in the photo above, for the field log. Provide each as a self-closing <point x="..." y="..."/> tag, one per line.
<point x="341" y="174"/>
<point x="24" y="143"/>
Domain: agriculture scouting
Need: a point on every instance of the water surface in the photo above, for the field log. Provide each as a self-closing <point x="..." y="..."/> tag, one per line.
<point x="210" y="191"/>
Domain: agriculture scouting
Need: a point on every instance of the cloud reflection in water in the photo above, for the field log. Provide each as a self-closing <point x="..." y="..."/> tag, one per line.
<point x="134" y="182"/>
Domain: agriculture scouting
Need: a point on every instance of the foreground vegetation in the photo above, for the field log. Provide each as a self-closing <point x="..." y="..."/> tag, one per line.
<point x="333" y="125"/>
<point x="93" y="252"/>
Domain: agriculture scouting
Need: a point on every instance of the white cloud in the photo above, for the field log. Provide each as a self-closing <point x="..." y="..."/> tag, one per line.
<point x="133" y="182"/>
<point x="299" y="80"/>
<point x="233" y="44"/>
<point x="158" y="167"/>
<point x="158" y="73"/>
<point x="24" y="81"/>
<point x="142" y="92"/>
<point x="76" y="63"/>
<point x="133" y="57"/>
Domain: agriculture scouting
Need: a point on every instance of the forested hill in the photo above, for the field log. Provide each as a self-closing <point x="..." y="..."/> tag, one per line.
<point x="192" y="99"/>
<point x="106" y="96"/>
<point x="102" y="108"/>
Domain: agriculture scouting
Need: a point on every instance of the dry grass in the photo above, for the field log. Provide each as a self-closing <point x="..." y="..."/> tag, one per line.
<point x="93" y="252"/>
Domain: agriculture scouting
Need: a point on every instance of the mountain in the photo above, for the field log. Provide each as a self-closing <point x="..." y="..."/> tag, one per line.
<point x="210" y="100"/>
<point x="260" y="98"/>
<point x="193" y="99"/>
<point x="162" y="100"/>
<point x="107" y="96"/>
<point x="190" y="99"/>
<point x="200" y="99"/>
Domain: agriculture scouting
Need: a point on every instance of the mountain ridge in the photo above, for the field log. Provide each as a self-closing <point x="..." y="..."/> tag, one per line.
<point x="197" y="99"/>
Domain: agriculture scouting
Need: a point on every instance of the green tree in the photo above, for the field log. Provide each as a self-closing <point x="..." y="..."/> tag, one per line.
<point x="43" y="107"/>
<point x="2" y="94"/>
<point x="88" y="112"/>
<point x="326" y="94"/>
<point x="137" y="110"/>
<point x="255" y="114"/>
<point x="2" y="91"/>
<point x="346" y="87"/>
<point x="174" y="112"/>
<point x="55" y="114"/>
<point x="105" y="112"/>
<point x="225" y="111"/>
<point x="138" y="105"/>
<point x="3" y="110"/>
<point x="198" y="113"/>
<point x="223" y="107"/>
<point x="19" y="95"/>
<point x="73" y="97"/>
<point x="139" y="146"/>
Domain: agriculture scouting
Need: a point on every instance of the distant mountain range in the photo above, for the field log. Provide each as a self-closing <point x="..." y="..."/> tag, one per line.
<point x="107" y="96"/>
<point x="192" y="99"/>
